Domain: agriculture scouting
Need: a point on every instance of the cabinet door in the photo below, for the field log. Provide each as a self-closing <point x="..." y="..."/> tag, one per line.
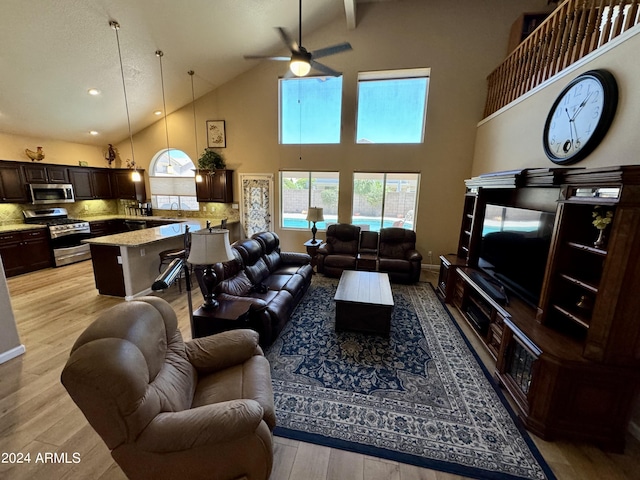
<point x="222" y="186"/>
<point x="101" y="183"/>
<point x="10" y="252"/>
<point x="35" y="173"/>
<point x="12" y="185"/>
<point x="36" y="250"/>
<point x="124" y="187"/>
<point x="81" y="181"/>
<point x="57" y="174"/>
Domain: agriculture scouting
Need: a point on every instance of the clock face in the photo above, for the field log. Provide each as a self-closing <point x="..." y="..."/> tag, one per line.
<point x="580" y="117"/>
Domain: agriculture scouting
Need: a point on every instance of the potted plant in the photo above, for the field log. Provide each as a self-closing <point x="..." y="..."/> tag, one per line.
<point x="211" y="160"/>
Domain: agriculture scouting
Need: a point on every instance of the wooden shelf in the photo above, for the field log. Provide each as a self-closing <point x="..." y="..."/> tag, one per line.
<point x="587" y="248"/>
<point x="582" y="284"/>
<point x="571" y="316"/>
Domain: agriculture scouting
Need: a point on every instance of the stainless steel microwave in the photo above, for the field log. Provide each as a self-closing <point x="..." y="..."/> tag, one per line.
<point x="51" y="193"/>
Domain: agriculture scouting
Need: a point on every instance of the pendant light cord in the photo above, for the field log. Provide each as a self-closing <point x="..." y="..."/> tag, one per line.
<point x="160" y="54"/>
<point x="193" y="103"/>
<point x="116" y="26"/>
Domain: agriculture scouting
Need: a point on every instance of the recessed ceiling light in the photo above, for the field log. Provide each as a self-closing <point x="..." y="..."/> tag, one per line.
<point x="94" y="91"/>
<point x="93" y="132"/>
<point x="158" y="112"/>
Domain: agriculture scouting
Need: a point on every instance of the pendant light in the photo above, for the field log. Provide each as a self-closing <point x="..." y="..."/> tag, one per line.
<point x="135" y="175"/>
<point x="195" y="125"/>
<point x="160" y="54"/>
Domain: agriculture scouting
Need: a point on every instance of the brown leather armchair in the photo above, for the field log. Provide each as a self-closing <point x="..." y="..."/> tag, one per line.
<point x="398" y="256"/>
<point x="169" y="409"/>
<point x="340" y="250"/>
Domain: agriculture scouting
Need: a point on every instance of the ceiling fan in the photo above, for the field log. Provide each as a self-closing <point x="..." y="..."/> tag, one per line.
<point x="302" y="61"/>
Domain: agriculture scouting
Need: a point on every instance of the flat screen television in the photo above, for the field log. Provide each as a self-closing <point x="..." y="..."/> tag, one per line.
<point x="514" y="248"/>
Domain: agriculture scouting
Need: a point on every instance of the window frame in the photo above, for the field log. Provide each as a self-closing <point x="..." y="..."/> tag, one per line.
<point x="399" y="74"/>
<point x="166" y="177"/>
<point x="321" y="226"/>
<point x="385" y="175"/>
<point x="280" y="111"/>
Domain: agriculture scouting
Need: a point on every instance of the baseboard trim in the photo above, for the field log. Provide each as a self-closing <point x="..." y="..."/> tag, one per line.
<point x="13" y="353"/>
<point x="429" y="266"/>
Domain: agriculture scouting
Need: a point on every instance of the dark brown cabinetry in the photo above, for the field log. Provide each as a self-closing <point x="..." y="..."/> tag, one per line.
<point x="24" y="252"/>
<point x="91" y="183"/>
<point x="45" y="173"/>
<point x="12" y="185"/>
<point x="570" y="363"/>
<point x="124" y="187"/>
<point x="216" y="186"/>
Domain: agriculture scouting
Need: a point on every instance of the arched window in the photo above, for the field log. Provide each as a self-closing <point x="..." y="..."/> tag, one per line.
<point x="171" y="179"/>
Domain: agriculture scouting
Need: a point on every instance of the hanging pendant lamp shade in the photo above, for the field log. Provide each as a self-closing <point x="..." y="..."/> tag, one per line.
<point x="135" y="175"/>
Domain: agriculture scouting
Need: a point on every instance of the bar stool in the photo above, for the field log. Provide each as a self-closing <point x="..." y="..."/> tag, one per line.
<point x="167" y="256"/>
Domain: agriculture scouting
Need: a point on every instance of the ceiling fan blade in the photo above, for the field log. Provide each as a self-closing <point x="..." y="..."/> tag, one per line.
<point x="266" y="57"/>
<point x="324" y="69"/>
<point x="288" y="41"/>
<point x="325" y="52"/>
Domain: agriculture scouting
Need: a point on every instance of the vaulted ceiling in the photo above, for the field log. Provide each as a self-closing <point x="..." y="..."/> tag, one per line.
<point x="52" y="53"/>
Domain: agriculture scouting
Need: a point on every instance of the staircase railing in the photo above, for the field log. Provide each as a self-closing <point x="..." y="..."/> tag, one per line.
<point x="573" y="30"/>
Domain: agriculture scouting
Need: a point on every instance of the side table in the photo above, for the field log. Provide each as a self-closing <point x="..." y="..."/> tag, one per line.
<point x="312" y="250"/>
<point x="228" y="315"/>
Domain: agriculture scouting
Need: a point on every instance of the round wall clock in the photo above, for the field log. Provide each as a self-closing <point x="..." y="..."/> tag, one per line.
<point x="580" y="117"/>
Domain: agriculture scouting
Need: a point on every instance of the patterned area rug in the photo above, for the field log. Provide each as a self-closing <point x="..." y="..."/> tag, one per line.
<point x="419" y="397"/>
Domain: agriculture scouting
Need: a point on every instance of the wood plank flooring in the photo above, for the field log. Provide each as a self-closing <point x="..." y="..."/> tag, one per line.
<point x="53" y="306"/>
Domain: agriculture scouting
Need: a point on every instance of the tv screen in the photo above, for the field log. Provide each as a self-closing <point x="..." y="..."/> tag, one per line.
<point x="514" y="248"/>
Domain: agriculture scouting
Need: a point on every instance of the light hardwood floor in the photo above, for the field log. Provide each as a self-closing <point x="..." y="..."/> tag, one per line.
<point x="53" y="306"/>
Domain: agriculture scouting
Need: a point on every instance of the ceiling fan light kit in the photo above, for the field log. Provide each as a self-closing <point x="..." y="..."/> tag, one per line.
<point x="301" y="60"/>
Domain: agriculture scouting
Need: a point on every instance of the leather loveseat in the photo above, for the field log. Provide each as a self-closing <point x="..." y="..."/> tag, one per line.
<point x="271" y="281"/>
<point x="340" y="250"/>
<point x="171" y="409"/>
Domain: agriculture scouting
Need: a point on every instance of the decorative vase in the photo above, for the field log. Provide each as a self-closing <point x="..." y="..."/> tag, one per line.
<point x="599" y="243"/>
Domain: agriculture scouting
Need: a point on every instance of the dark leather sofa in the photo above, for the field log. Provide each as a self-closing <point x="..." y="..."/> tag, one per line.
<point x="272" y="282"/>
<point x="340" y="250"/>
<point x="397" y="255"/>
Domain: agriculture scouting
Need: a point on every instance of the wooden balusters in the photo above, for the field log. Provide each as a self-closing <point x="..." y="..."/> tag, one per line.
<point x="573" y="30"/>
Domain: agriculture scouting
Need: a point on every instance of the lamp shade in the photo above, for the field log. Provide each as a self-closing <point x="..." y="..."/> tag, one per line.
<point x="210" y="246"/>
<point x="315" y="214"/>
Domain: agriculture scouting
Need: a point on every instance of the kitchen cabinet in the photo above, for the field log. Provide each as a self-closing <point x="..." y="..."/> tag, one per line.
<point x="91" y="183"/>
<point x="125" y="188"/>
<point x="25" y="251"/>
<point x="45" y="173"/>
<point x="12" y="185"/>
<point x="216" y="186"/>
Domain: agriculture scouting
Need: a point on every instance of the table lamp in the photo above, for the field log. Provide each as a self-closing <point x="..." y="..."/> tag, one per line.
<point x="209" y="246"/>
<point x="315" y="214"/>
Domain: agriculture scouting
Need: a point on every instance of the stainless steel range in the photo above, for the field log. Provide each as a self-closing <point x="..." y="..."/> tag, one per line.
<point x="66" y="234"/>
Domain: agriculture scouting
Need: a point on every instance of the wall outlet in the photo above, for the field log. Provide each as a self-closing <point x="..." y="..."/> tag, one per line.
<point x="143" y="252"/>
<point x="204" y="209"/>
<point x="86" y="207"/>
<point x="235" y="206"/>
<point x="119" y="258"/>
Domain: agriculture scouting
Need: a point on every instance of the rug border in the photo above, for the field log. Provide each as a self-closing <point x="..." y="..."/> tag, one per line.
<point x="447" y="467"/>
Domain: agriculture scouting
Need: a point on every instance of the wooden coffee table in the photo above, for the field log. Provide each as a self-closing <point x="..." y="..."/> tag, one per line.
<point x="364" y="302"/>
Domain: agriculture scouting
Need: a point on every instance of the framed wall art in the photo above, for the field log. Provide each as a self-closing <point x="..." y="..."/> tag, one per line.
<point x="216" y="136"/>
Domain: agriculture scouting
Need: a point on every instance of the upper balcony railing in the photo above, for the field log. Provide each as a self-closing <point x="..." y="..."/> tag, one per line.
<point x="573" y="30"/>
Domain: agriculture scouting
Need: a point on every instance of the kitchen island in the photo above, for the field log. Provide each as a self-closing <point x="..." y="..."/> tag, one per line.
<point x="126" y="264"/>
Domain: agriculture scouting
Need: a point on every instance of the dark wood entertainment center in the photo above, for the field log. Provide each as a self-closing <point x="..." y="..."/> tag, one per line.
<point x="570" y="363"/>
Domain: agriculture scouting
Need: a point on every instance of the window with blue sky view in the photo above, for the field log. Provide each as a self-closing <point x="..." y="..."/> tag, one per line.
<point x="310" y="110"/>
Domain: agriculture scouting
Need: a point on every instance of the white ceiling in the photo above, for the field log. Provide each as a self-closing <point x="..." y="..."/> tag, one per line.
<point x="53" y="52"/>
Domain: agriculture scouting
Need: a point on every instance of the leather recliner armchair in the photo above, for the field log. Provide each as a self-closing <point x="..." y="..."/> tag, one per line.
<point x="169" y="409"/>
<point x="397" y="255"/>
<point x="340" y="250"/>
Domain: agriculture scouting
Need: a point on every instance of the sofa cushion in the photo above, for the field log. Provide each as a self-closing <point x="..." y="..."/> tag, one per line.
<point x="239" y="285"/>
<point x="251" y="252"/>
<point x="393" y="265"/>
<point x="340" y="261"/>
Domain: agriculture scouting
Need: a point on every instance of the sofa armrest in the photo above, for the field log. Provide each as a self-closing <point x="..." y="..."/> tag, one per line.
<point x="223" y="350"/>
<point x="413" y="256"/>
<point x="295" y="258"/>
<point x="325" y="249"/>
<point x="255" y="304"/>
<point x="205" y="425"/>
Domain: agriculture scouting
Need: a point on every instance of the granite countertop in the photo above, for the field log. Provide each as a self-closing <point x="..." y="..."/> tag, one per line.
<point x="17" y="227"/>
<point x="138" y="238"/>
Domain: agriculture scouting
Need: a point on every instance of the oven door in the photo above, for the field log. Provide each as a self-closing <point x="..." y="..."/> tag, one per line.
<point x="70" y="249"/>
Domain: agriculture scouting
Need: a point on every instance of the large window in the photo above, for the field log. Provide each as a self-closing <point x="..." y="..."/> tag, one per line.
<point x="310" y="110"/>
<point x="382" y="200"/>
<point x="301" y="190"/>
<point x="392" y="106"/>
<point x="172" y="181"/>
